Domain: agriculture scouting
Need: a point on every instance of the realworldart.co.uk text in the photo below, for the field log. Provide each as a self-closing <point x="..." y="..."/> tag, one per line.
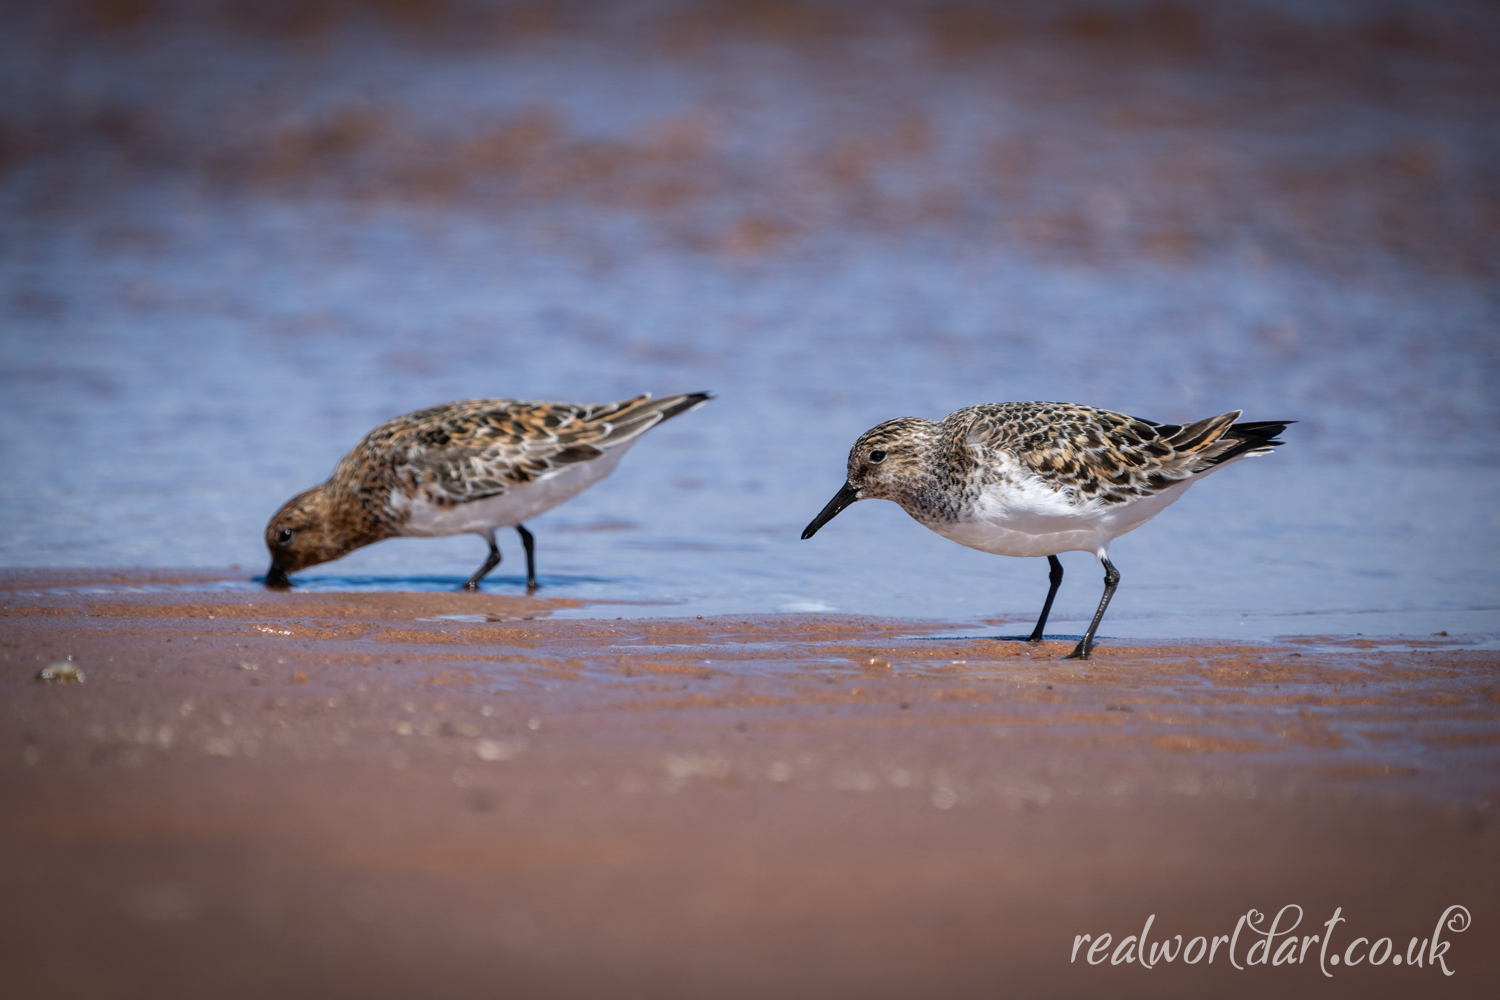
<point x="1254" y="943"/>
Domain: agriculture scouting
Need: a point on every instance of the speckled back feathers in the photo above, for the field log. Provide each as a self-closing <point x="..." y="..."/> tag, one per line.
<point x="448" y="455"/>
<point x="1101" y="454"/>
<point x="483" y="447"/>
<point x="1091" y="456"/>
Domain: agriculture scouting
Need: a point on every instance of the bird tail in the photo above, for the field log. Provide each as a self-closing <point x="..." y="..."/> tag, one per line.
<point x="1217" y="440"/>
<point x="1253" y="438"/>
<point x="630" y="418"/>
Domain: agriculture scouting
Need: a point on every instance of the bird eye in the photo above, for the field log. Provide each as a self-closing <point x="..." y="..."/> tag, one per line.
<point x="284" y="536"/>
<point x="877" y="456"/>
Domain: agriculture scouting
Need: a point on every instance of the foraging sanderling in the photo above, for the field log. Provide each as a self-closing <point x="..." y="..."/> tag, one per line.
<point x="462" y="468"/>
<point x="1036" y="479"/>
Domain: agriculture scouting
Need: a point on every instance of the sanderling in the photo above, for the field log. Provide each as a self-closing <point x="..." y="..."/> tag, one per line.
<point x="1036" y="479"/>
<point x="461" y="468"/>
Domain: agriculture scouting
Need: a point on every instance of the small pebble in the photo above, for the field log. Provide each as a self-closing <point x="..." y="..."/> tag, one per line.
<point x="59" y="673"/>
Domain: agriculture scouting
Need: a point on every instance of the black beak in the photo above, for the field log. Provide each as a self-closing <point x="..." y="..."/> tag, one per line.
<point x="841" y="499"/>
<point x="276" y="578"/>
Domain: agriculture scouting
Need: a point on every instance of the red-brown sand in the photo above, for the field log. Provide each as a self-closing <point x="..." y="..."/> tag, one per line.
<point x="270" y="794"/>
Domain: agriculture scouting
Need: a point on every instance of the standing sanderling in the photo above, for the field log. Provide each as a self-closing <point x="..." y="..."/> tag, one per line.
<point x="1036" y="479"/>
<point x="461" y="468"/>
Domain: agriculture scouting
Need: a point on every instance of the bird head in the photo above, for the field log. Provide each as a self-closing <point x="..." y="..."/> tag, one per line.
<point x="884" y="464"/>
<point x="305" y="532"/>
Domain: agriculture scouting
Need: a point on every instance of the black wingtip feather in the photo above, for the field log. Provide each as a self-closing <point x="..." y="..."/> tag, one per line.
<point x="1264" y="430"/>
<point x="688" y="401"/>
<point x="1251" y="436"/>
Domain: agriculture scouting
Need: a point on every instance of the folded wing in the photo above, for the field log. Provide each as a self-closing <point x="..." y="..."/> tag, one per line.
<point x="484" y="447"/>
<point x="1110" y="457"/>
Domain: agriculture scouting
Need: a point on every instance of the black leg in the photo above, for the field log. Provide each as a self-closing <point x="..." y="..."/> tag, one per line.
<point x="489" y="564"/>
<point x="1111" y="580"/>
<point x="1056" y="578"/>
<point x="529" y="544"/>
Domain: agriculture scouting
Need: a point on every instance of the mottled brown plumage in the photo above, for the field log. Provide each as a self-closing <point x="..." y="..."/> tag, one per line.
<point x="1084" y="453"/>
<point x="1037" y="479"/>
<point x="465" y="467"/>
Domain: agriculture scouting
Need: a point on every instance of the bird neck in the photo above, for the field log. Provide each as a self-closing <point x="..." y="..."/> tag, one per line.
<point x="356" y="516"/>
<point x="935" y="491"/>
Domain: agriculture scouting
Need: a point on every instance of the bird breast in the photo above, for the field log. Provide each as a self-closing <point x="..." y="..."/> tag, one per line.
<point x="1024" y="516"/>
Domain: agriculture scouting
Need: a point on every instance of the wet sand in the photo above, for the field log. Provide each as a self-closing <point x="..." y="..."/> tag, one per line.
<point x="430" y="794"/>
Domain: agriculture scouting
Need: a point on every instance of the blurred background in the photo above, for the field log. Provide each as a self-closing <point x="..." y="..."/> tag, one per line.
<point x="234" y="236"/>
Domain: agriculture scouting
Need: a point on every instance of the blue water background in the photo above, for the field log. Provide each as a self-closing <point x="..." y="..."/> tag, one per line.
<point x="186" y="344"/>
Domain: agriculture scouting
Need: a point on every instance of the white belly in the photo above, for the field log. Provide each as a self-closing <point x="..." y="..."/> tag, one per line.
<point x="518" y="504"/>
<point x="1039" y="522"/>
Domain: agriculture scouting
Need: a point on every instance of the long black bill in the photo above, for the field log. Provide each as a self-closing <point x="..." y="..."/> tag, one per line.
<point x="841" y="499"/>
<point x="276" y="578"/>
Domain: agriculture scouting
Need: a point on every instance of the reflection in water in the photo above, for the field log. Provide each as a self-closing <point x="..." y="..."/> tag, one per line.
<point x="494" y="583"/>
<point x="239" y="239"/>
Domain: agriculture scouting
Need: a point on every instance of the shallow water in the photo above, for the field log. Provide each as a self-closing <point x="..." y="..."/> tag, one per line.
<point x="206" y="305"/>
